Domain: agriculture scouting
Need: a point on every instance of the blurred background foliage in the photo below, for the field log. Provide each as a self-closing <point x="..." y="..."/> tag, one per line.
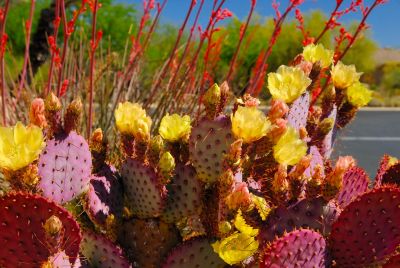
<point x="119" y="24"/>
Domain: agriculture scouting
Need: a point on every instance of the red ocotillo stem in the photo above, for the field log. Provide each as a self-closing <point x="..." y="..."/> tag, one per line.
<point x="92" y="63"/>
<point x="172" y="55"/>
<point x="56" y="27"/>
<point x="242" y="33"/>
<point x="27" y="42"/>
<point x="3" y="84"/>
<point x="65" y="46"/>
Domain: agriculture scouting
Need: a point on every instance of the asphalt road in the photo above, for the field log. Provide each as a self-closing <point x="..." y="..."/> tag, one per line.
<point x="373" y="133"/>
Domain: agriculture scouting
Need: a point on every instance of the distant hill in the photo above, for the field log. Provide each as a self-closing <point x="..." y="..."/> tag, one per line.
<point x="386" y="55"/>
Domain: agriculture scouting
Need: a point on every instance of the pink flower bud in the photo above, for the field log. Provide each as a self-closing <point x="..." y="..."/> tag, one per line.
<point x="278" y="110"/>
<point x="239" y="197"/>
<point x="36" y="113"/>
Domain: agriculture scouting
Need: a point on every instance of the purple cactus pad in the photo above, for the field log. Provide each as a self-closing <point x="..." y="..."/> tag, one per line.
<point x="143" y="190"/>
<point x="298" y="111"/>
<point x="300" y="248"/>
<point x="65" y="167"/>
<point x="105" y="196"/>
<point x="316" y="159"/>
<point x="355" y="182"/>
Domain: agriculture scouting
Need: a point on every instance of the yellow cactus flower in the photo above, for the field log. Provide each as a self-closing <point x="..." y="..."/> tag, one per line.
<point x="174" y="127"/>
<point x="344" y="76"/>
<point x="20" y="146"/>
<point x="318" y="53"/>
<point x="249" y="124"/>
<point x="290" y="148"/>
<point x="288" y="83"/>
<point x="358" y="94"/>
<point x="236" y="248"/>
<point x="239" y="245"/>
<point x="131" y="119"/>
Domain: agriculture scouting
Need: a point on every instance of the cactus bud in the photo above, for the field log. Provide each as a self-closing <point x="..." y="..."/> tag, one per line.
<point x="224" y="227"/>
<point x="314" y="185"/>
<point x="156" y="146"/>
<point x="37" y="113"/>
<point x="325" y="126"/>
<point x="53" y="114"/>
<point x="239" y="197"/>
<point x="277" y="130"/>
<point x="166" y="166"/>
<point x="53" y="225"/>
<point x="73" y="115"/>
<point x="98" y="148"/>
<point x="212" y="99"/>
<point x="232" y="159"/>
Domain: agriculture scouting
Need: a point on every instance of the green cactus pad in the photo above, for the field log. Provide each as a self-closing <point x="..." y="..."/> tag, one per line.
<point x="184" y="195"/>
<point x="144" y="193"/>
<point x="368" y="229"/>
<point x="147" y="242"/>
<point x="209" y="142"/>
<point x="194" y="253"/>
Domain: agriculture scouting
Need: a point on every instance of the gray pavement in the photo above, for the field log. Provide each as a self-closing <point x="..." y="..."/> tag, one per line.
<point x="373" y="133"/>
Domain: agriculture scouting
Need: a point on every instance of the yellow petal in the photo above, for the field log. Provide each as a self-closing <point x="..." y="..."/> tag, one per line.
<point x="358" y="94"/>
<point x="261" y="206"/>
<point x="290" y="148"/>
<point x="236" y="248"/>
<point x="318" y="53"/>
<point x="343" y="76"/>
<point x="288" y="83"/>
<point x="243" y="227"/>
<point x="174" y="127"/>
<point x="249" y="124"/>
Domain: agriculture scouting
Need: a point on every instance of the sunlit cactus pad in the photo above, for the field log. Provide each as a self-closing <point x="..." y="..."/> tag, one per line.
<point x="65" y="167"/>
<point x="144" y="193"/>
<point x="105" y="196"/>
<point x="355" y="182"/>
<point x="298" y="111"/>
<point x="300" y="248"/>
<point x="357" y="235"/>
<point x="23" y="234"/>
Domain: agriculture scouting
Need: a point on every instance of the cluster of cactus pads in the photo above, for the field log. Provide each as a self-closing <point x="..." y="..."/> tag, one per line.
<point x="245" y="189"/>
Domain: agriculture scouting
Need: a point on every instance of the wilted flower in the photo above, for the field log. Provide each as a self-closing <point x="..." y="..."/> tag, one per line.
<point x="318" y="53"/>
<point x="174" y="127"/>
<point x="239" y="197"/>
<point x="358" y="94"/>
<point x="19" y="146"/>
<point x="131" y="119"/>
<point x="288" y="83"/>
<point x="344" y="76"/>
<point x="249" y="124"/>
<point x="290" y="148"/>
<point x="37" y="114"/>
<point x="278" y="110"/>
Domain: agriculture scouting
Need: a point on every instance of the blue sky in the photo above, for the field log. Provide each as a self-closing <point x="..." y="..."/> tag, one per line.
<point x="384" y="20"/>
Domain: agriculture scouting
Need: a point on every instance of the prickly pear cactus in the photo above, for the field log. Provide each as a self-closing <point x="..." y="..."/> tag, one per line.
<point x="383" y="165"/>
<point x="184" y="195"/>
<point x="147" y="242"/>
<point x="392" y="175"/>
<point x="208" y="143"/>
<point x="315" y="214"/>
<point x="65" y="167"/>
<point x="316" y="159"/>
<point x="393" y="262"/>
<point x="144" y="192"/>
<point x="326" y="146"/>
<point x="300" y="248"/>
<point x="23" y="218"/>
<point x="61" y="260"/>
<point x="355" y="182"/>
<point x="298" y="112"/>
<point x="194" y="253"/>
<point x="105" y="196"/>
<point x="102" y="253"/>
<point x="357" y="235"/>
